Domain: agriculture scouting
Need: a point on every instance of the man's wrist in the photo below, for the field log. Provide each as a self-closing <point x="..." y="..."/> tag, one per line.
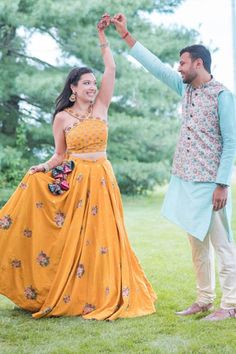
<point x="123" y="32"/>
<point x="222" y="185"/>
<point x="125" y="35"/>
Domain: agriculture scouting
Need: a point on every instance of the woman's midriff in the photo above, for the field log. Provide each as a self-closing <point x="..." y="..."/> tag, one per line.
<point x="89" y="155"/>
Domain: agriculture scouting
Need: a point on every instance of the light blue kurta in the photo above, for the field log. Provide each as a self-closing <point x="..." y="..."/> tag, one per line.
<point x="189" y="204"/>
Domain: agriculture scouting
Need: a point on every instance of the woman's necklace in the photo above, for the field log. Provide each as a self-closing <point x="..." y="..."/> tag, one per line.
<point x="80" y="116"/>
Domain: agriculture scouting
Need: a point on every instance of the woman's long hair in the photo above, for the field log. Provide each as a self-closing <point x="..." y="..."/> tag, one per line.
<point x="73" y="77"/>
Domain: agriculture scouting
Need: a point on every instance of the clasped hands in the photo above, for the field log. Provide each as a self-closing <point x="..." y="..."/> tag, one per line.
<point x="119" y="21"/>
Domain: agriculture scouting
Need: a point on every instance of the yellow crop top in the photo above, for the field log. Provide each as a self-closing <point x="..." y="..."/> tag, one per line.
<point x="87" y="135"/>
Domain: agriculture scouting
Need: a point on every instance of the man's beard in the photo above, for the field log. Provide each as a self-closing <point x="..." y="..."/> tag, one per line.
<point x="189" y="78"/>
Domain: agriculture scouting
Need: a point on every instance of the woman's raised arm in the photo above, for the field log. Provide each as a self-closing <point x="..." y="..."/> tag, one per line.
<point x="108" y="79"/>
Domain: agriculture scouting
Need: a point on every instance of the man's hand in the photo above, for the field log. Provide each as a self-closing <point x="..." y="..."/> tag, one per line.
<point x="120" y="23"/>
<point x="219" y="199"/>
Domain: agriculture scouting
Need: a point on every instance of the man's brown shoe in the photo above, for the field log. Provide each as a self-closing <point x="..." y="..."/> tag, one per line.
<point x="221" y="314"/>
<point x="195" y="308"/>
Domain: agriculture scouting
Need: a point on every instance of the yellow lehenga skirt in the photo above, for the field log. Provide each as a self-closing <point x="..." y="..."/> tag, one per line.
<point x="69" y="254"/>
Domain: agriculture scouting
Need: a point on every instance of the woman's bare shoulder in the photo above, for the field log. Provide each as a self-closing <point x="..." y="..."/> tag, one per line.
<point x="61" y="119"/>
<point x="61" y="116"/>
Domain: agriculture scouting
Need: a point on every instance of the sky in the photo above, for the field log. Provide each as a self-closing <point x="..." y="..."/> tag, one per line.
<point x="211" y="18"/>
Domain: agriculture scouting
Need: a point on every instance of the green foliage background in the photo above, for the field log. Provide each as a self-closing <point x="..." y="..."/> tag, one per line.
<point x="143" y="115"/>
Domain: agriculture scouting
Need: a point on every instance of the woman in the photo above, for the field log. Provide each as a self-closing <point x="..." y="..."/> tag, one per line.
<point x="63" y="243"/>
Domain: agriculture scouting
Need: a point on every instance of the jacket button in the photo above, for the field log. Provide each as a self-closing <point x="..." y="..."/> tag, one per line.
<point x="187" y="150"/>
<point x="193" y="104"/>
<point x="189" y="138"/>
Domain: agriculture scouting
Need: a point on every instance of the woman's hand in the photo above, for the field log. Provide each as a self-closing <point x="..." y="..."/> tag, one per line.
<point x="104" y="22"/>
<point x="35" y="169"/>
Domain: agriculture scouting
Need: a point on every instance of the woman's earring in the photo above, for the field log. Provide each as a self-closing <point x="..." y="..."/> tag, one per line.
<point x="72" y="97"/>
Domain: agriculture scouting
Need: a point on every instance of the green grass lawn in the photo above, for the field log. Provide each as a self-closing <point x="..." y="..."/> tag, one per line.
<point x="164" y="253"/>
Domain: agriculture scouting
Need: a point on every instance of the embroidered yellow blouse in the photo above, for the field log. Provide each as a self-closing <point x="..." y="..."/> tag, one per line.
<point x="89" y="135"/>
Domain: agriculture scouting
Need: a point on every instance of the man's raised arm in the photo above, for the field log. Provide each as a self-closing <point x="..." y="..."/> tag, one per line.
<point x="152" y="63"/>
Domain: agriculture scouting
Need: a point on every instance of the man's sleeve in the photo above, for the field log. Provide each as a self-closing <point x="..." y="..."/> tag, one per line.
<point x="155" y="66"/>
<point x="227" y="118"/>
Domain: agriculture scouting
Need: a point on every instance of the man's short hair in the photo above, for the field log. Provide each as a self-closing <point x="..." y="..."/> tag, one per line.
<point x="199" y="51"/>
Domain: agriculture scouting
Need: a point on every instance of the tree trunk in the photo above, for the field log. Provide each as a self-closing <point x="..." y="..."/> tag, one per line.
<point x="9" y="110"/>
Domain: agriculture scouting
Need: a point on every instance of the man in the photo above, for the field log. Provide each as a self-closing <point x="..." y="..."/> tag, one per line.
<point x="198" y="198"/>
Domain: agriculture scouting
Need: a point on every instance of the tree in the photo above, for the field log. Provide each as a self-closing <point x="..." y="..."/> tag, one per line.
<point x="29" y="86"/>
